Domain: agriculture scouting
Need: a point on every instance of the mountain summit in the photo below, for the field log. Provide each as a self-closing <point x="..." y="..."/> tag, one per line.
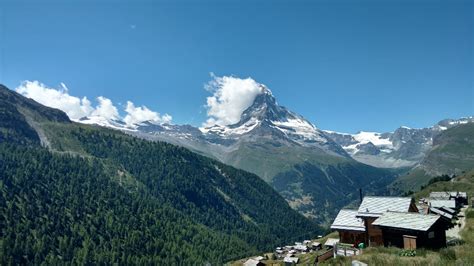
<point x="266" y="118"/>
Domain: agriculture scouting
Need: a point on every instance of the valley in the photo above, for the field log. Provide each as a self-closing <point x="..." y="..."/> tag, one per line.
<point x="311" y="168"/>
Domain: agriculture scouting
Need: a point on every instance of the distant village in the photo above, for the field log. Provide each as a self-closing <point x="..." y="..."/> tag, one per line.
<point x="383" y="221"/>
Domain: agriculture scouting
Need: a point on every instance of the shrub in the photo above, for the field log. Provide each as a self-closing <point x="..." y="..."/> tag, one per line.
<point x="407" y="253"/>
<point x="440" y="179"/>
<point x="447" y="254"/>
<point x="421" y="252"/>
<point x="470" y="215"/>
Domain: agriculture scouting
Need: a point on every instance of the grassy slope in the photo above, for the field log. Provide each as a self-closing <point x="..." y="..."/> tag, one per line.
<point x="268" y="159"/>
<point x="464" y="182"/>
<point x="453" y="150"/>
<point x="412" y="180"/>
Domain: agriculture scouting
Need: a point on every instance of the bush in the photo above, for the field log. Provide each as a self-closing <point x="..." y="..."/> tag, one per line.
<point x="421" y="252"/>
<point x="407" y="253"/>
<point x="447" y="254"/>
<point x="470" y="215"/>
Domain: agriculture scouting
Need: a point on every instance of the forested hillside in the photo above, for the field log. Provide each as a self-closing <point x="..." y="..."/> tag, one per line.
<point x="93" y="195"/>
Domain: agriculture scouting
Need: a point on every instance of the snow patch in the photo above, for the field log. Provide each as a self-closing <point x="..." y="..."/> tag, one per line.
<point x="363" y="137"/>
<point x="226" y="131"/>
<point x="301" y="128"/>
<point x="374" y="137"/>
<point x="104" y="122"/>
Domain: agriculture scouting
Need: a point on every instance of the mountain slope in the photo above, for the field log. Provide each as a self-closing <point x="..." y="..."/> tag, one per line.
<point x="100" y="196"/>
<point x="452" y="154"/>
<point x="18" y="115"/>
<point x="72" y="211"/>
<point x="271" y="141"/>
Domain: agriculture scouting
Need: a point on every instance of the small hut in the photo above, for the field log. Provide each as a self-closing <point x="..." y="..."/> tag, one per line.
<point x="412" y="230"/>
<point x="372" y="208"/>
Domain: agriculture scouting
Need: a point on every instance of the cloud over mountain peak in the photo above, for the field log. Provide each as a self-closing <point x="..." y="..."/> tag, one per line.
<point x="231" y="96"/>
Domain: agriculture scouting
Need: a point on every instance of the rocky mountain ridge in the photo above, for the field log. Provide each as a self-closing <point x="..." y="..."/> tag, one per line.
<point x="405" y="147"/>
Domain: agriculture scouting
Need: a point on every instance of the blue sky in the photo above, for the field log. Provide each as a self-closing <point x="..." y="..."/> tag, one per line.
<point x="344" y="65"/>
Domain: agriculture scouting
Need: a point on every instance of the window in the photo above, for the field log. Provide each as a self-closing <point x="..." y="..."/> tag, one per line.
<point x="431" y="234"/>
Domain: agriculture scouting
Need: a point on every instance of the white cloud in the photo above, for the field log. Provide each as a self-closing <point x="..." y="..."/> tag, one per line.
<point x="106" y="109"/>
<point x="137" y="115"/>
<point x="77" y="108"/>
<point x="74" y="107"/>
<point x="231" y="96"/>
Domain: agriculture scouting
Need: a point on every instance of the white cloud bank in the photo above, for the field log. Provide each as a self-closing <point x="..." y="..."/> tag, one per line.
<point x="74" y="107"/>
<point x="136" y="115"/>
<point x="106" y="109"/>
<point x="77" y="108"/>
<point x="231" y="96"/>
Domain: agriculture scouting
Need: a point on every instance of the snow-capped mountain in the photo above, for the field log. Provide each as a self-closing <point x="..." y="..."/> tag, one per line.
<point x="266" y="118"/>
<point x="263" y="119"/>
<point x="402" y="148"/>
<point x="265" y="112"/>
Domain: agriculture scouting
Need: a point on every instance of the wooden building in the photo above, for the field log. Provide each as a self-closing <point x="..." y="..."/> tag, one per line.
<point x="350" y="228"/>
<point x="463" y="199"/>
<point x="459" y="197"/>
<point x="372" y="208"/>
<point x="438" y="203"/>
<point x="412" y="230"/>
<point x="254" y="262"/>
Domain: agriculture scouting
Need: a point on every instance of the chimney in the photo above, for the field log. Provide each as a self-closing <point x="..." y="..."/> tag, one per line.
<point x="360" y="194"/>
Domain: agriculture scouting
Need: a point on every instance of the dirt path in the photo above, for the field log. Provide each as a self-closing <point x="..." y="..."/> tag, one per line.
<point x="454" y="232"/>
